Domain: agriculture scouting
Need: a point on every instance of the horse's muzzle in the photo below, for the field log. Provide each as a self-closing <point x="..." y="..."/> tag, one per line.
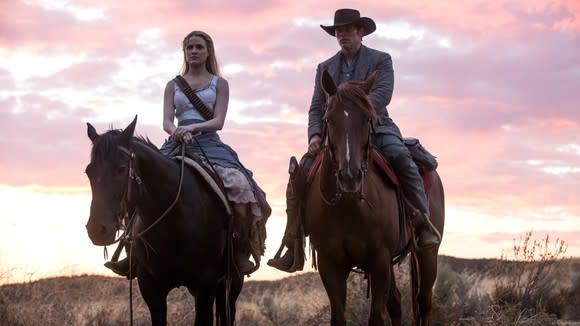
<point x="100" y="234"/>
<point x="350" y="181"/>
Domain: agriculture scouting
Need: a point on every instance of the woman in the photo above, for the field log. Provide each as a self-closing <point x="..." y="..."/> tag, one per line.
<point x="201" y="72"/>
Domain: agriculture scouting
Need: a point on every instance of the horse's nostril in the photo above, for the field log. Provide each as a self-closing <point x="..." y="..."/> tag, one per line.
<point x="102" y="230"/>
<point x="95" y="229"/>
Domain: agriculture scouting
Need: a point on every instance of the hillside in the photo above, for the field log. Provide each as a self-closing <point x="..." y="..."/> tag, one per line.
<point x="464" y="294"/>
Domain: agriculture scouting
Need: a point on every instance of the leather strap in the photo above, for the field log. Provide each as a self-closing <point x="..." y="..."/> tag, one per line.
<point x="193" y="98"/>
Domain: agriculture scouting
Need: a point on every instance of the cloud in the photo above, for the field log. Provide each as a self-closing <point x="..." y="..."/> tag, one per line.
<point x="490" y="88"/>
<point x="553" y="237"/>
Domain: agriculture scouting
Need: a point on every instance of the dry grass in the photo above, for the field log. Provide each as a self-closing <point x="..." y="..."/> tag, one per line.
<point x="467" y="292"/>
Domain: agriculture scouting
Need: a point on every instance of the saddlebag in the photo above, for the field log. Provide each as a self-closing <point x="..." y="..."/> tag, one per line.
<point x="426" y="162"/>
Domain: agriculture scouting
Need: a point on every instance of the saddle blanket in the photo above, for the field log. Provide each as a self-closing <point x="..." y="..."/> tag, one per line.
<point x="384" y="166"/>
<point x="208" y="178"/>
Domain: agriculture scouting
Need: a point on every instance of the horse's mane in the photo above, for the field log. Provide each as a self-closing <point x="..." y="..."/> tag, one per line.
<point x="353" y="92"/>
<point x="146" y="141"/>
<point x="108" y="143"/>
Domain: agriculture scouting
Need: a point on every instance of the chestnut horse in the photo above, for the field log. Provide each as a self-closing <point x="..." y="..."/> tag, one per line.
<point x="352" y="213"/>
<point x="182" y="246"/>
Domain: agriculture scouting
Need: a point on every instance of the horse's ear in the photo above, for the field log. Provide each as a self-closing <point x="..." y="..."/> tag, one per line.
<point x="368" y="84"/>
<point x="92" y="132"/>
<point x="127" y="134"/>
<point x="327" y="82"/>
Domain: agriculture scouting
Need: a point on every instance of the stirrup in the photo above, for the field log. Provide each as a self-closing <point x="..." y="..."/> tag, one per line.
<point x="121" y="268"/>
<point x="426" y="239"/>
<point x="292" y="260"/>
<point x="246" y="268"/>
<point x="283" y="263"/>
<point x="427" y="229"/>
<point x="299" y="258"/>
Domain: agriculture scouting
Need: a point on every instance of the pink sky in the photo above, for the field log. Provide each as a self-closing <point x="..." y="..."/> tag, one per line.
<point x="490" y="87"/>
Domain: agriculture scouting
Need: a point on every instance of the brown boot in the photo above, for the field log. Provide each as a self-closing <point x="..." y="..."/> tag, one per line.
<point x="427" y="235"/>
<point x="242" y="247"/>
<point x="416" y="202"/>
<point x="121" y="267"/>
<point x="293" y="258"/>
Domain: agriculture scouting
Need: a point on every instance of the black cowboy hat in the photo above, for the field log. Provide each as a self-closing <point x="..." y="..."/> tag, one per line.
<point x="343" y="17"/>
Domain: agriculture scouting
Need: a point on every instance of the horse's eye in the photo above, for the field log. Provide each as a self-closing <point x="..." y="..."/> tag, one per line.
<point x="328" y="121"/>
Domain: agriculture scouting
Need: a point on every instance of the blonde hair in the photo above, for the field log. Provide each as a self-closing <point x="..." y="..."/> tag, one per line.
<point x="211" y="63"/>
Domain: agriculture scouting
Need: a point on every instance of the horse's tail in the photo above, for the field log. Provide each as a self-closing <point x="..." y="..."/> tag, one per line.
<point x="415" y="284"/>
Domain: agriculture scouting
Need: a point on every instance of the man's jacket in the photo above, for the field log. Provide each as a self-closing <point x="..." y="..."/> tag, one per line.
<point x="368" y="61"/>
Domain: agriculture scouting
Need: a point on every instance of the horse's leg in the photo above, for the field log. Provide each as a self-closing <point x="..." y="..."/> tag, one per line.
<point x="381" y="278"/>
<point x="204" y="299"/>
<point x="334" y="279"/>
<point x="425" y="270"/>
<point x="220" y="304"/>
<point x="155" y="296"/>
<point x="394" y="301"/>
<point x="234" y="292"/>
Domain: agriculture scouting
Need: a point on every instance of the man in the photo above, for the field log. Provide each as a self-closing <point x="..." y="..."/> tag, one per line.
<point x="355" y="61"/>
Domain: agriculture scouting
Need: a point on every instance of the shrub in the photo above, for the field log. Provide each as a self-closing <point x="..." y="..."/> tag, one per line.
<point x="565" y="302"/>
<point x="454" y="299"/>
<point x="525" y="282"/>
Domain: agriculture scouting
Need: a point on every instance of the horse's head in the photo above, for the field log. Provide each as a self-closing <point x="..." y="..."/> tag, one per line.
<point x="348" y="119"/>
<point x="108" y="173"/>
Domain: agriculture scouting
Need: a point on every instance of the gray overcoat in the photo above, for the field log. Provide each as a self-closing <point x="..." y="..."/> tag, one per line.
<point x="368" y="61"/>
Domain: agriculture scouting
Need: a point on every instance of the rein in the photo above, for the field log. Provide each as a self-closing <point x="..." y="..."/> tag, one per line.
<point x="337" y="194"/>
<point x="134" y="177"/>
<point x="127" y="237"/>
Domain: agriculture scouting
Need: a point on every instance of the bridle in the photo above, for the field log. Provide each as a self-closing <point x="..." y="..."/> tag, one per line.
<point x="127" y="236"/>
<point x="133" y="177"/>
<point x="338" y="193"/>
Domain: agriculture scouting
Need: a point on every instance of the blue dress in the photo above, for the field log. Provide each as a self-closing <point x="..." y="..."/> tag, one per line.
<point x="238" y="182"/>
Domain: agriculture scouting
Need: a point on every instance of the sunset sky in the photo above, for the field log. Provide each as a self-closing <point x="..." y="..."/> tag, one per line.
<point x="492" y="88"/>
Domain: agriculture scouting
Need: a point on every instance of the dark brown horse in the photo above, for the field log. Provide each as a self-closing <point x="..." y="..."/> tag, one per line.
<point x="352" y="213"/>
<point x="185" y="248"/>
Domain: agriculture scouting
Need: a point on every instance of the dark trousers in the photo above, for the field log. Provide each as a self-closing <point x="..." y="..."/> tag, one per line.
<point x="405" y="168"/>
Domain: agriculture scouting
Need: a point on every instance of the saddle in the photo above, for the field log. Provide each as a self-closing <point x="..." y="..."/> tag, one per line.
<point x="204" y="169"/>
<point x="425" y="161"/>
<point x="384" y="166"/>
<point x="209" y="176"/>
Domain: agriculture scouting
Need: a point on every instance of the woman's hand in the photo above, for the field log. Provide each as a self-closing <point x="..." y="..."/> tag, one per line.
<point x="181" y="135"/>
